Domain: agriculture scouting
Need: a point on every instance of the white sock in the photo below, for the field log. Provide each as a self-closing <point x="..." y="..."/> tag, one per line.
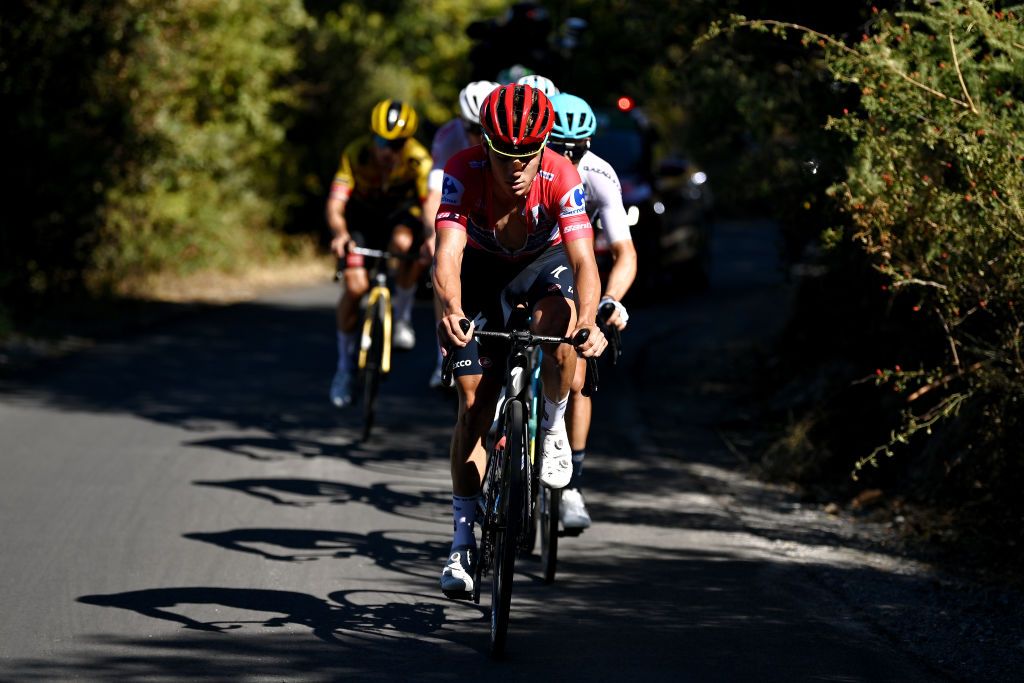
<point x="346" y="343"/>
<point x="403" y="302"/>
<point x="553" y="412"/>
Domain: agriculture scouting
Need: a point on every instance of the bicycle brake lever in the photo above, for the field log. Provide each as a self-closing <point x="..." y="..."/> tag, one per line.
<point x="590" y="384"/>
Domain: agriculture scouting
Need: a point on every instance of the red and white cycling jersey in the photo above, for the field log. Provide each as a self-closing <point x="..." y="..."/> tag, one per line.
<point x="555" y="210"/>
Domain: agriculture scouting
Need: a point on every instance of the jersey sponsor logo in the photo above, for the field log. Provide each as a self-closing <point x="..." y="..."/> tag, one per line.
<point x="595" y="169"/>
<point x="554" y="287"/>
<point x="451" y="190"/>
<point x="453" y="216"/>
<point x="462" y="363"/>
<point x="576" y="228"/>
<point x="477" y="164"/>
<point x="558" y="271"/>
<point x="574" y="202"/>
<point x="546" y="175"/>
<point x="485" y="362"/>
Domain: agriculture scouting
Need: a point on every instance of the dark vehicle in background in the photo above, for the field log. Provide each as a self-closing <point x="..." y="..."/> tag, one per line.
<point x="668" y="205"/>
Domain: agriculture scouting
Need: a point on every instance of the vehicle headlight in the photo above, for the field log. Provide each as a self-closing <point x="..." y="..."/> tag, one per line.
<point x="632" y="215"/>
<point x="659" y="208"/>
<point x="699" y="178"/>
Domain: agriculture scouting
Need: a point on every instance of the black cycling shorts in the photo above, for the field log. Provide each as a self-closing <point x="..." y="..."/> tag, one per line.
<point x="492" y="288"/>
<point x="371" y="226"/>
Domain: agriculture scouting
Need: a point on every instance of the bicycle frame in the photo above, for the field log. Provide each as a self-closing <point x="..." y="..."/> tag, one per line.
<point x="379" y="291"/>
<point x="507" y="501"/>
<point x="374" y="358"/>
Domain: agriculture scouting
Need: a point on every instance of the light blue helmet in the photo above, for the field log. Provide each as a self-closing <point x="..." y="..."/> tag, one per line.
<point x="574" y="119"/>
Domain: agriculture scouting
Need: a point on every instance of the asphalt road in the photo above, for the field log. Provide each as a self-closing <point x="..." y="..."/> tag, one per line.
<point x="186" y="505"/>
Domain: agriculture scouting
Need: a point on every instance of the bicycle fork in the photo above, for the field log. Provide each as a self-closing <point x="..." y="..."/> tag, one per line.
<point x="378" y="293"/>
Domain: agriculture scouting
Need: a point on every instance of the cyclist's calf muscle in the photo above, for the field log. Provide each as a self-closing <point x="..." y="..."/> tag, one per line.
<point x="477" y="397"/>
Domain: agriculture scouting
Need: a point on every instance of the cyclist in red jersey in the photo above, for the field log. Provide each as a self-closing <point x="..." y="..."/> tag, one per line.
<point x="512" y="231"/>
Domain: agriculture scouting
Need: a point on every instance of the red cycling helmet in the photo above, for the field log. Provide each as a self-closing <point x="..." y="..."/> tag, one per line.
<point x="516" y="120"/>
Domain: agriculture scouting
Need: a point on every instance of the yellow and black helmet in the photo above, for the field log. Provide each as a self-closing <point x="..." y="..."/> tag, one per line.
<point x="393" y="120"/>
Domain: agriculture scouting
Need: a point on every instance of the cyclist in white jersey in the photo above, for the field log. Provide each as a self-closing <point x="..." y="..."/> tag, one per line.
<point x="575" y="124"/>
<point x="461" y="132"/>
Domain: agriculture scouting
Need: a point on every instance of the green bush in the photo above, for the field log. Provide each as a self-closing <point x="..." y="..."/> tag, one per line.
<point x="930" y="203"/>
<point x="934" y="198"/>
<point x="150" y="136"/>
<point x="201" y="185"/>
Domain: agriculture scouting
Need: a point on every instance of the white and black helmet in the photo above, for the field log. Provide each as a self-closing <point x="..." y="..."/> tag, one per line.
<point x="472" y="96"/>
<point x="542" y="83"/>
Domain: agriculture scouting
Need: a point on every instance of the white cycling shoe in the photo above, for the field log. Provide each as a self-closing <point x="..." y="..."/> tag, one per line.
<point x="457" y="576"/>
<point x="556" y="458"/>
<point x="435" y="379"/>
<point x="573" y="511"/>
<point x="402" y="335"/>
<point x="341" y="388"/>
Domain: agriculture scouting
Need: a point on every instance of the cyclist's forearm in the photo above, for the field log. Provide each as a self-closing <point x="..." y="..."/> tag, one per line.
<point x="335" y="213"/>
<point x="588" y="281"/>
<point x="448" y="279"/>
<point x="623" y="272"/>
<point x="449" y="291"/>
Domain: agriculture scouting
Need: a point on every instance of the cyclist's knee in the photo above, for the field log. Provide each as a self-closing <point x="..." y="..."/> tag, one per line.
<point x="579" y="377"/>
<point x="401" y="239"/>
<point x="477" y="406"/>
<point x="553" y="315"/>
<point x="356" y="282"/>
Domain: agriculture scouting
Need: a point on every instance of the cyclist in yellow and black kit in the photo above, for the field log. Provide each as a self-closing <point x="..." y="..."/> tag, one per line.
<point x="376" y="201"/>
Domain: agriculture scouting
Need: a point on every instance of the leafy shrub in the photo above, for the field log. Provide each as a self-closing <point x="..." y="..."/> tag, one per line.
<point x="931" y="201"/>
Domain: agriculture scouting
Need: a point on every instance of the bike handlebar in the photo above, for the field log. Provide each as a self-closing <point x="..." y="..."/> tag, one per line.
<point x="528" y="339"/>
<point x="613" y="333"/>
<point x="378" y="254"/>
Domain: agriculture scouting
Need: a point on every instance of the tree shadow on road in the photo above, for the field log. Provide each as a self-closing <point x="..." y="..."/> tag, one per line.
<point x="253" y="366"/>
<point x="413" y="553"/>
<point x="656" y="614"/>
<point x="417" y="502"/>
<point x="395" y="453"/>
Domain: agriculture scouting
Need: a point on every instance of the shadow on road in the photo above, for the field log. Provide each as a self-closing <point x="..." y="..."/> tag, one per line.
<point x="262" y="367"/>
<point x="391" y="550"/>
<point x="310" y="492"/>
<point x="696" y="619"/>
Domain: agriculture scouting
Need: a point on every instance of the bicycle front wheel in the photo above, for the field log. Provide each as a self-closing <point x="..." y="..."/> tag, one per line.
<point x="511" y="508"/>
<point x="373" y="369"/>
<point x="550" y="502"/>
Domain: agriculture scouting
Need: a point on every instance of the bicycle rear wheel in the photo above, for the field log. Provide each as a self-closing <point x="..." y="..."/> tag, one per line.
<point x="535" y="391"/>
<point x="511" y="509"/>
<point x="372" y="370"/>
<point x="550" y="502"/>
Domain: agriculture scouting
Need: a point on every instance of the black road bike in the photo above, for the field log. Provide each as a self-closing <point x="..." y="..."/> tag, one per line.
<point x="548" y="502"/>
<point x="507" y="500"/>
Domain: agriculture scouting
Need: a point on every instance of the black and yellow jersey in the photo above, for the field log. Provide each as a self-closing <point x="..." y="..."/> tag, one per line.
<point x="358" y="176"/>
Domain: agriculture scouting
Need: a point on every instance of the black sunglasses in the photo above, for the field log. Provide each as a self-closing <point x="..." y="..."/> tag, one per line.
<point x="395" y="145"/>
<point x="573" y="150"/>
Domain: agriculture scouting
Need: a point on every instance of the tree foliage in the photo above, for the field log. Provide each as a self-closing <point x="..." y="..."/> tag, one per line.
<point x="192" y="134"/>
<point x="925" y="248"/>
